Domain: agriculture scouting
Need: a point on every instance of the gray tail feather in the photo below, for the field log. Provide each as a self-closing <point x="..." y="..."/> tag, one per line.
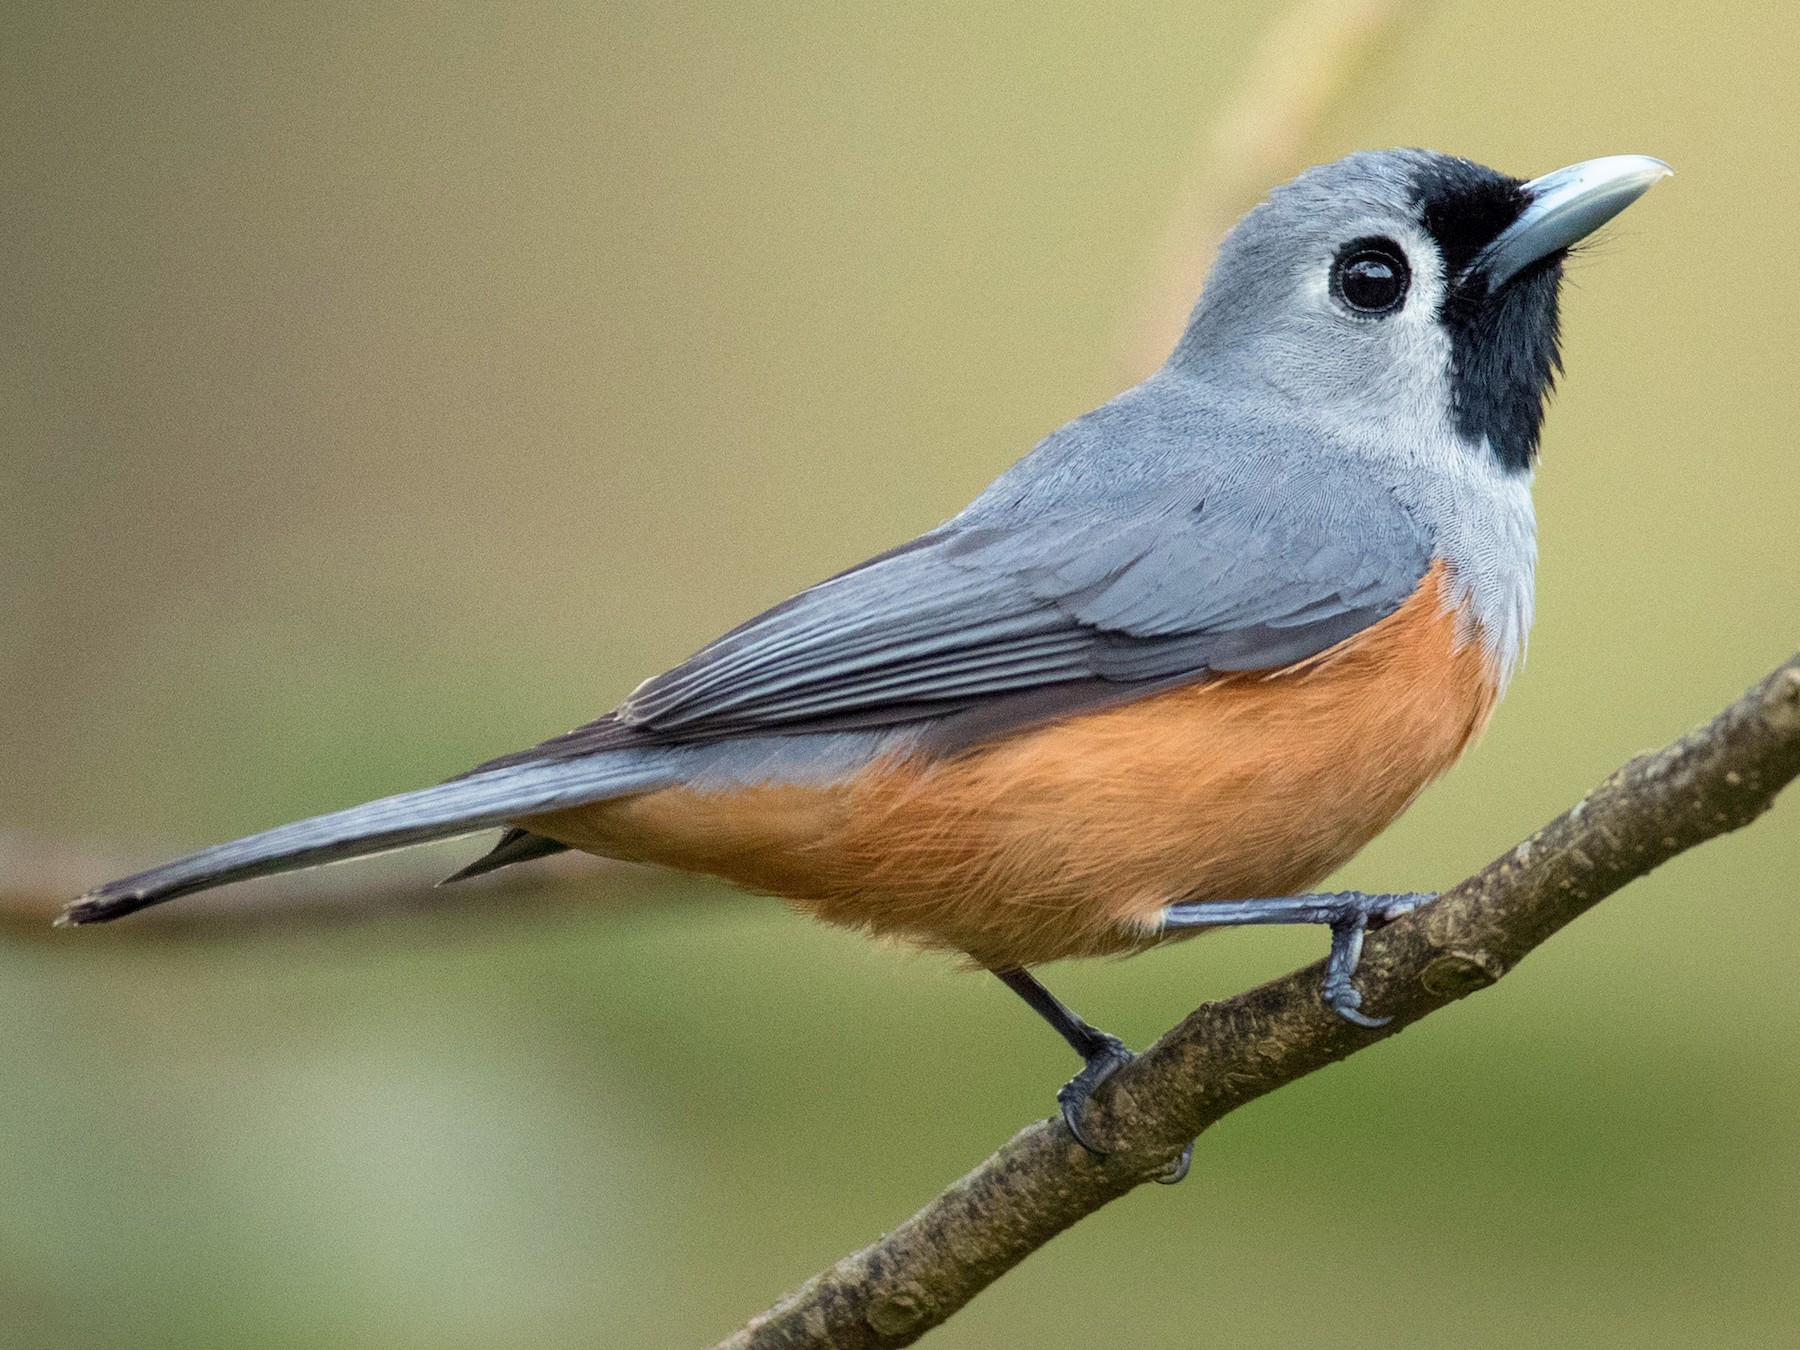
<point x="515" y="846"/>
<point x="461" y="806"/>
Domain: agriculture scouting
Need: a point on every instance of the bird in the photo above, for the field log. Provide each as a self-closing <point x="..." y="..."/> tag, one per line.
<point x="1168" y="671"/>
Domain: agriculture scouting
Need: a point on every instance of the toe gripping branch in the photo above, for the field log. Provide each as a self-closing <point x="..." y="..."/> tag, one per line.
<point x="1102" y="1056"/>
<point x="1349" y="914"/>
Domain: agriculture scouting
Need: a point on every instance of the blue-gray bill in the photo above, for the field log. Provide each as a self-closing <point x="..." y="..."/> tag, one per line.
<point x="1566" y="207"/>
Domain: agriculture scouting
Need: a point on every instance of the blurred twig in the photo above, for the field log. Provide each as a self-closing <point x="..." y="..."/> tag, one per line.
<point x="37" y="878"/>
<point x="1298" y="76"/>
<point x="1225" y="1054"/>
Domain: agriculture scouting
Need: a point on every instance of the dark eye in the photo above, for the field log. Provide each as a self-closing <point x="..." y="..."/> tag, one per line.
<point x="1371" y="276"/>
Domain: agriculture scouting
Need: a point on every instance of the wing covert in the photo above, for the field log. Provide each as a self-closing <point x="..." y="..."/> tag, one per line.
<point x="1261" y="569"/>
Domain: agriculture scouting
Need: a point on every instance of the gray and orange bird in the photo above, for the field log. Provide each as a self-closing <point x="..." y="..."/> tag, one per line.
<point x="1173" y="667"/>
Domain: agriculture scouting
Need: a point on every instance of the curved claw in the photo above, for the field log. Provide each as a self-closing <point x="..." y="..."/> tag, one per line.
<point x="1349" y="1012"/>
<point x="1176" y="1170"/>
<point x="1344" y="999"/>
<point x="1340" y="995"/>
<point x="1073" y="1095"/>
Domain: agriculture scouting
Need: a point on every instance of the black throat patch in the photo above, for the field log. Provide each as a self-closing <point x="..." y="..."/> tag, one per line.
<point x="1503" y="346"/>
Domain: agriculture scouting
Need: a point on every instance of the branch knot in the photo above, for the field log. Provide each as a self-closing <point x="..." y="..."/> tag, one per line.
<point x="1781" y="704"/>
<point x="1457" y="974"/>
<point x="900" y="1310"/>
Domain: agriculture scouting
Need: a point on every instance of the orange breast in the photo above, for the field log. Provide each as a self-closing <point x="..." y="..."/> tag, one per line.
<point x="1070" y="839"/>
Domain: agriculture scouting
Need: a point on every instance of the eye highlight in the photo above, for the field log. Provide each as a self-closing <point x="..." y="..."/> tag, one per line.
<point x="1370" y="277"/>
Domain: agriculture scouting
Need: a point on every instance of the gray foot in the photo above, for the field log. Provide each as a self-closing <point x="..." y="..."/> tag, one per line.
<point x="1349" y="914"/>
<point x="1072" y="1099"/>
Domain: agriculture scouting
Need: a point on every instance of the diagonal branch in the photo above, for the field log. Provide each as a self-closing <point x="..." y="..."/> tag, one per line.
<point x="1222" y="1055"/>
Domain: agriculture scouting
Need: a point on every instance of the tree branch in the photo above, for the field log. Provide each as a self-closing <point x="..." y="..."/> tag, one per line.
<point x="1225" y="1054"/>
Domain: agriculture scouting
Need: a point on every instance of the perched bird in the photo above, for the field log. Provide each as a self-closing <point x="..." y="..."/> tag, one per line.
<point x="1173" y="667"/>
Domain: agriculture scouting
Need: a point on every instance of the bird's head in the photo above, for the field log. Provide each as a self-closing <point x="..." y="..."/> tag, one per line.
<point x="1403" y="284"/>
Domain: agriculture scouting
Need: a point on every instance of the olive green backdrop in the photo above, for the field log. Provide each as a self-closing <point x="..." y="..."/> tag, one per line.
<point x="385" y="387"/>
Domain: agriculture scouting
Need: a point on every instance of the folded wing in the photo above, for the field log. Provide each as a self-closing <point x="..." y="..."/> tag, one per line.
<point x="1253" y="570"/>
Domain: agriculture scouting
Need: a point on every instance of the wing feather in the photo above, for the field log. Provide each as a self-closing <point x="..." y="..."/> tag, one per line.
<point x="1257" y="571"/>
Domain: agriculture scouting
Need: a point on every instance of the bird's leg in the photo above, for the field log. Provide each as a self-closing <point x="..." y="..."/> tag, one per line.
<point x="1104" y="1055"/>
<point x="1348" y="914"/>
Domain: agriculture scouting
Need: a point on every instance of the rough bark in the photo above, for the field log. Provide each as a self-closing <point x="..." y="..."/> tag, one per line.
<point x="1717" y="779"/>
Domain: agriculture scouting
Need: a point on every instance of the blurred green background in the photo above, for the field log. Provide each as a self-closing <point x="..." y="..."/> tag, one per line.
<point x="386" y="387"/>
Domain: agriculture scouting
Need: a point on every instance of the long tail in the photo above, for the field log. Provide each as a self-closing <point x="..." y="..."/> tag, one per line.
<point x="461" y="806"/>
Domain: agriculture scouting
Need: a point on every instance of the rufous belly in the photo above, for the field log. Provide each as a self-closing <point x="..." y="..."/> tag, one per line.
<point x="1070" y="839"/>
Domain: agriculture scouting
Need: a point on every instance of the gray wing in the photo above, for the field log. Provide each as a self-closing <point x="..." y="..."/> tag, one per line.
<point x="1261" y="567"/>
